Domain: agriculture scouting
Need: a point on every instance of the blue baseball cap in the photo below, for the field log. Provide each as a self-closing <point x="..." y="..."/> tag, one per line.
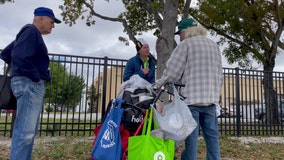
<point x="186" y="23"/>
<point x="42" y="11"/>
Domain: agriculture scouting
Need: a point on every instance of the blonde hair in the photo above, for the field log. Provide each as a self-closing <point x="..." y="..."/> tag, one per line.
<point x="194" y="31"/>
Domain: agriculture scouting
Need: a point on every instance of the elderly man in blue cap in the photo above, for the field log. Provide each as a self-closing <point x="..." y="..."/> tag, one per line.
<point x="28" y="57"/>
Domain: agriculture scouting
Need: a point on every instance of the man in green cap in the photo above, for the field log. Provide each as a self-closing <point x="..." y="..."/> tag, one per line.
<point x="196" y="63"/>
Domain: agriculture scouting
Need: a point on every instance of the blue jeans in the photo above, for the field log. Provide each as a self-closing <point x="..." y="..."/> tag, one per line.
<point x="29" y="96"/>
<point x="205" y="117"/>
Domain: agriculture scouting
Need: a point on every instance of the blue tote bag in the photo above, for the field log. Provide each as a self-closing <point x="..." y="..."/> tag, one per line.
<point x="108" y="144"/>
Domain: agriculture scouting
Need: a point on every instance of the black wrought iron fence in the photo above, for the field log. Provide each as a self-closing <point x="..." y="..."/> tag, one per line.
<point x="244" y="103"/>
<point x="77" y="95"/>
<point x="82" y="86"/>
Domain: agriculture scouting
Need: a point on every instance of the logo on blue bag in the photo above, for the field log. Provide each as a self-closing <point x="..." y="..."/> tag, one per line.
<point x="159" y="156"/>
<point x="108" y="139"/>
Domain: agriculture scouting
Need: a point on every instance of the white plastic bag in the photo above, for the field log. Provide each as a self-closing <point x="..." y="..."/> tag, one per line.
<point x="133" y="83"/>
<point x="176" y="119"/>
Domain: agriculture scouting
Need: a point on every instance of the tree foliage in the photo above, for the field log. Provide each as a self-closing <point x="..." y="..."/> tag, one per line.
<point x="4" y="1"/>
<point x="135" y="20"/>
<point x="92" y="98"/>
<point x="251" y="30"/>
<point x="65" y="89"/>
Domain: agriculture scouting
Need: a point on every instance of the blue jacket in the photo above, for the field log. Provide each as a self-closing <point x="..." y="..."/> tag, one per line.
<point x="133" y="66"/>
<point x="28" y="55"/>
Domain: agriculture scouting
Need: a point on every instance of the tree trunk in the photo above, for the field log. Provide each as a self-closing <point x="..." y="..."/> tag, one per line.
<point x="270" y="96"/>
<point x="166" y="43"/>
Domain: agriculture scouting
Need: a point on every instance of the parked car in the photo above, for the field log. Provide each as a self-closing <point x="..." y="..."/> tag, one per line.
<point x="259" y="113"/>
<point x="226" y="112"/>
<point x="6" y="111"/>
<point x="229" y="112"/>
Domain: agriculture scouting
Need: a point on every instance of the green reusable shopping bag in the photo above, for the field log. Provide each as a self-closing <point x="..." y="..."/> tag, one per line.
<point x="147" y="147"/>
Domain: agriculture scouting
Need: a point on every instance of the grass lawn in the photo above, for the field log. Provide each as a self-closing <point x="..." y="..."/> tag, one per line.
<point x="79" y="148"/>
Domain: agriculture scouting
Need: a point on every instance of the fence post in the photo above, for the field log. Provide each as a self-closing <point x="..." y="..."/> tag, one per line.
<point x="104" y="86"/>
<point x="238" y="102"/>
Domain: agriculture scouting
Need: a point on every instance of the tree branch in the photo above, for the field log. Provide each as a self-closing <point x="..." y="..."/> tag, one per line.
<point x="121" y="20"/>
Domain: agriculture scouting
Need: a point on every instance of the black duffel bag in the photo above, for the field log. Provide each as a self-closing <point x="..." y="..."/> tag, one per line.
<point x="134" y="108"/>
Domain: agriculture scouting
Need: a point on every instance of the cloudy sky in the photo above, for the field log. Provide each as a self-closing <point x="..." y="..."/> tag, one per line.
<point x="99" y="40"/>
